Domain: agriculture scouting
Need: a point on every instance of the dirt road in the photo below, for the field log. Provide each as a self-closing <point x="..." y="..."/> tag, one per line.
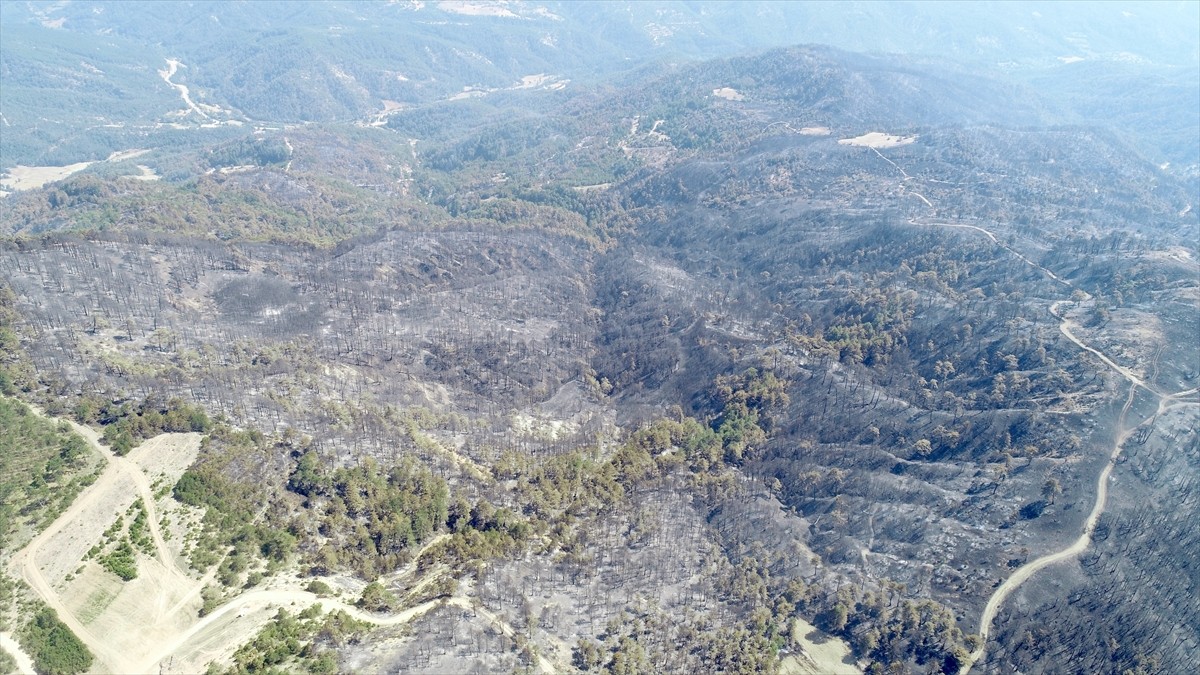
<point x="218" y="622"/>
<point x="995" y="240"/>
<point x="10" y="645"/>
<point x="1025" y="572"/>
<point x="1080" y="544"/>
<point x="168" y="639"/>
<point x="184" y="93"/>
<point x="128" y="466"/>
<point x="25" y="564"/>
<point x="1064" y="327"/>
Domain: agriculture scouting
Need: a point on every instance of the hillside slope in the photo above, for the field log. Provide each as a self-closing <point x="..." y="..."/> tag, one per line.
<point x="650" y="376"/>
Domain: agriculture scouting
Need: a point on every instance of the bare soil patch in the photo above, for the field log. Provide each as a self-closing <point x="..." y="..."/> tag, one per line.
<point x="590" y="188"/>
<point x="122" y="155"/>
<point x="146" y="173"/>
<point x="30" y="177"/>
<point x="22" y="177"/>
<point x="10" y="645"/>
<point x="476" y="8"/>
<point x="820" y="654"/>
<point x="877" y="140"/>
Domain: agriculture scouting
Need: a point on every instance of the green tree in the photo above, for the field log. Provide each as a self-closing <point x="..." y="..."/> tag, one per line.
<point x="376" y="598"/>
<point x="52" y="646"/>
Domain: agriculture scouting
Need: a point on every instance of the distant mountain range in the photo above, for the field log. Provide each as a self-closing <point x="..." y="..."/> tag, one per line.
<point x="78" y="73"/>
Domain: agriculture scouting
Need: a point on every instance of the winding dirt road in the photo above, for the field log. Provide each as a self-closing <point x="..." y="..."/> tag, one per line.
<point x="1026" y="571"/>
<point x="184" y="93"/>
<point x="1081" y="543"/>
<point x="254" y="601"/>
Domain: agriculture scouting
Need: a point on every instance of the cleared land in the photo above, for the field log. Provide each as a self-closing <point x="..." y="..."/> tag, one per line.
<point x="150" y="623"/>
<point x="878" y="140"/>
<point x="820" y="654"/>
<point x="31" y="177"/>
<point x="120" y="622"/>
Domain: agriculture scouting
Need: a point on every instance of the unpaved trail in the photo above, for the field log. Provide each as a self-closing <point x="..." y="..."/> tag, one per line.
<point x="464" y="463"/>
<point x="25" y="564"/>
<point x="195" y="591"/>
<point x="1080" y="544"/>
<point x="24" y="663"/>
<point x="166" y="75"/>
<point x="25" y="561"/>
<point x="900" y="169"/>
<point x="995" y="240"/>
<point x="217" y="623"/>
<point x="128" y="466"/>
<point x="1064" y="327"/>
<point x="220" y="626"/>
<point x="1027" y="570"/>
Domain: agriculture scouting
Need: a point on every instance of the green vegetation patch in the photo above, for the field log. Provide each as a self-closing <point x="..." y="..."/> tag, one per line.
<point x="297" y="643"/>
<point x="42" y="468"/>
<point x="122" y="561"/>
<point x="52" y="646"/>
<point x="126" y="424"/>
<point x="233" y="505"/>
<point x="388" y="510"/>
<point x="139" y="531"/>
<point x="125" y="541"/>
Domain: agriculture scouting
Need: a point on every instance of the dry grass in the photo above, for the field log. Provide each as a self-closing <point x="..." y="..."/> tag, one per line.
<point x="820" y="654"/>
